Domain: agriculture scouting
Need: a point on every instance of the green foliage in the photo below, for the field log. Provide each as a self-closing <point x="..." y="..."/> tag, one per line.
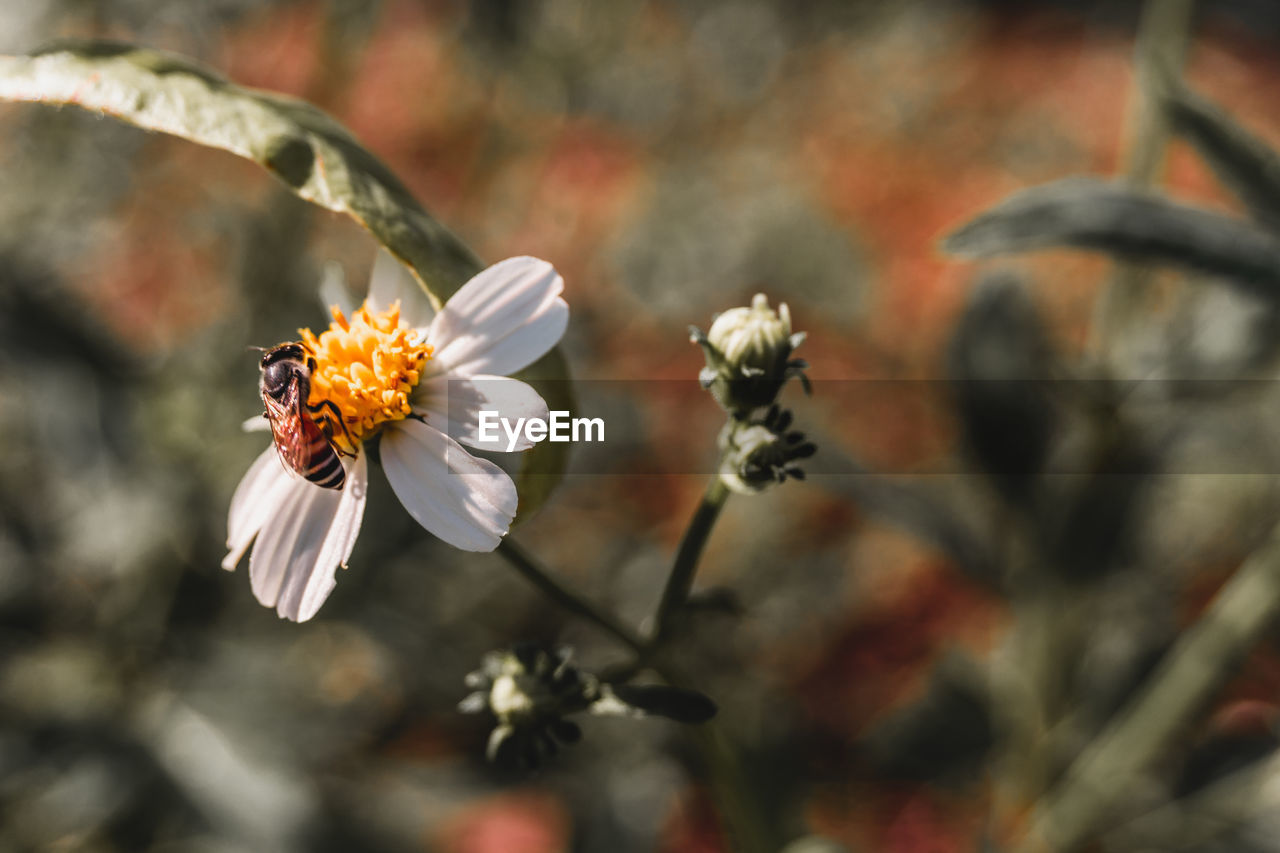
<point x="1090" y="214"/>
<point x="1244" y="163"/>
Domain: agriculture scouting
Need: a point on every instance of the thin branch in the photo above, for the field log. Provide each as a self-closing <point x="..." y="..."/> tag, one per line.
<point x="1186" y="680"/>
<point x="746" y="825"/>
<point x="1164" y="35"/>
<point x="685" y="566"/>
<point x="533" y="571"/>
<point x="744" y="819"/>
<point x="1195" y="821"/>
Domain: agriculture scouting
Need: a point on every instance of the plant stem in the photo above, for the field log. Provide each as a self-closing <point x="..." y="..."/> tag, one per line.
<point x="685" y="566"/>
<point x="1164" y="35"/>
<point x="1197" y="821"/>
<point x="745" y="825"/>
<point x="1193" y="670"/>
<point x="528" y="566"/>
<point x="743" y="819"/>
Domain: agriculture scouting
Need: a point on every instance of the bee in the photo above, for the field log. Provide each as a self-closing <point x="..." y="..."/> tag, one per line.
<point x="303" y="445"/>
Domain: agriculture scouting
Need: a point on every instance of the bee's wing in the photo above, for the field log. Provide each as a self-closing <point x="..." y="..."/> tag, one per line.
<point x="289" y="427"/>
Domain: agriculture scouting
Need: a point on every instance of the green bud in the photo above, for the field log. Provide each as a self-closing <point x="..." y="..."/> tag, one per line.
<point x="748" y="353"/>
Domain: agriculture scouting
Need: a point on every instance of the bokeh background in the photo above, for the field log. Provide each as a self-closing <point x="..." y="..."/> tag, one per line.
<point x="671" y="159"/>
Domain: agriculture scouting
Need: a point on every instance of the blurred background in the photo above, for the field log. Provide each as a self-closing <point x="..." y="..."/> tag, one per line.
<point x="671" y="159"/>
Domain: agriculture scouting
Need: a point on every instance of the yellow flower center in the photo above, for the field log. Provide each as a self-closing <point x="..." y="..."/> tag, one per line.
<point x="366" y="367"/>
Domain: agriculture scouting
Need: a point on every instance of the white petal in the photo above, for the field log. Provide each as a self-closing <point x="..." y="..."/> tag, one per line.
<point x="391" y="280"/>
<point x="291" y="539"/>
<point x="467" y="502"/>
<point x="257" y="423"/>
<point x="346" y="527"/>
<point x="453" y="405"/>
<point x="256" y="499"/>
<point x="305" y="590"/>
<point x="500" y="321"/>
<point x="299" y="548"/>
<point x="333" y="289"/>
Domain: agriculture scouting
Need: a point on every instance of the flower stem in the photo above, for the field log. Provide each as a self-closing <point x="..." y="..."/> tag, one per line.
<point x="680" y="581"/>
<point x="744" y="822"/>
<point x="1181" y="686"/>
<point x="744" y="819"/>
<point x="1164" y="36"/>
<point x="528" y="566"/>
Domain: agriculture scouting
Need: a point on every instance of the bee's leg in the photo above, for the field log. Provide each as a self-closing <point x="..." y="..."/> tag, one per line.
<point x="325" y="406"/>
<point x="335" y="415"/>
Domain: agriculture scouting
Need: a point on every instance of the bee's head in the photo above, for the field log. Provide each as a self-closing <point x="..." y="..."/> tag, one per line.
<point x="282" y="365"/>
<point x="284" y="352"/>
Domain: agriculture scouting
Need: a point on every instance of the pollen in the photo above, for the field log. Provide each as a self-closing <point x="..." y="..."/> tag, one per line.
<point x="366" y="367"/>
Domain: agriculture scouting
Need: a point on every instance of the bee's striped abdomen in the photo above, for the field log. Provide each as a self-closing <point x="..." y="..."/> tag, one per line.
<point x="327" y="468"/>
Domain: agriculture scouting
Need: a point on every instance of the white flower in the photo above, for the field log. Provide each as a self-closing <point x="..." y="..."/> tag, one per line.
<point x="418" y="381"/>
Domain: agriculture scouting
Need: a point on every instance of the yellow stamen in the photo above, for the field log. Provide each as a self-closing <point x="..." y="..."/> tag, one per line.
<point x="366" y="366"/>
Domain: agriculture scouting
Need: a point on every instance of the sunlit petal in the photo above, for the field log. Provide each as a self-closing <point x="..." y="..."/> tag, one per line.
<point x="467" y="502"/>
<point x="500" y="321"/>
<point x="305" y="587"/>
<point x="391" y="281"/>
<point x="257" y="423"/>
<point x="453" y="405"/>
<point x="333" y="289"/>
<point x="300" y="547"/>
<point x="257" y="498"/>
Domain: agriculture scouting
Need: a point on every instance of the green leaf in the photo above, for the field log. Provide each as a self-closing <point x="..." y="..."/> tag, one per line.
<point x="674" y="703"/>
<point x="1091" y="214"/>
<point x="313" y="154"/>
<point x="1246" y="165"/>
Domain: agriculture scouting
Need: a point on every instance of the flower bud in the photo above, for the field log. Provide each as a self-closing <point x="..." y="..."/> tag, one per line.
<point x="748" y="353"/>
<point x="758" y="454"/>
<point x="754" y="337"/>
<point x="530" y="690"/>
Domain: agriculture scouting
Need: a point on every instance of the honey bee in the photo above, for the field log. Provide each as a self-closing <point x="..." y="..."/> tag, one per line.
<point x="303" y="445"/>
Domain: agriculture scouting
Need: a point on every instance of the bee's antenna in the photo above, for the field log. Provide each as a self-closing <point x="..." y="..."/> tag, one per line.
<point x="259" y="349"/>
